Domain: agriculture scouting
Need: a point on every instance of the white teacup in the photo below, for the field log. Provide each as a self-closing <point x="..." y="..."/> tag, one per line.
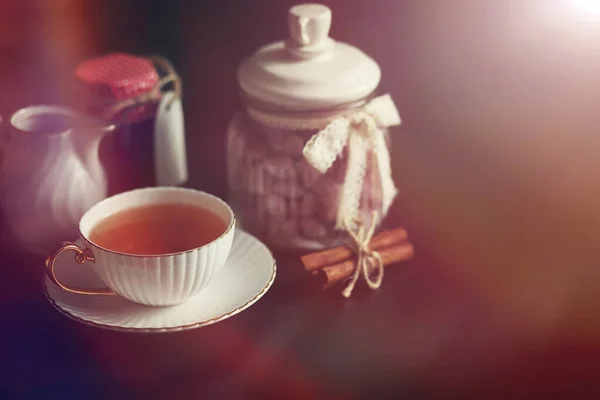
<point x="157" y="280"/>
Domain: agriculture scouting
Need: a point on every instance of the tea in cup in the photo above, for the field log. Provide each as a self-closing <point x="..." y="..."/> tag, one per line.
<point x="153" y="246"/>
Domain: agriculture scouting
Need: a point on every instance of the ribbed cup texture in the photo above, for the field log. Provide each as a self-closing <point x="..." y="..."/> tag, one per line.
<point x="162" y="280"/>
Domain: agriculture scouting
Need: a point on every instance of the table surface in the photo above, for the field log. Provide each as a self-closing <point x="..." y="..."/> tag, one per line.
<point x="424" y="334"/>
<point x="496" y="160"/>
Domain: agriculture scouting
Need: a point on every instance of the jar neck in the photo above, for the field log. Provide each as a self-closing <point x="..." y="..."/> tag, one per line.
<point x="297" y="120"/>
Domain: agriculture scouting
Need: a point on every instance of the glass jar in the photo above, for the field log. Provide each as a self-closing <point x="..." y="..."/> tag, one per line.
<point x="292" y="91"/>
<point x="129" y="90"/>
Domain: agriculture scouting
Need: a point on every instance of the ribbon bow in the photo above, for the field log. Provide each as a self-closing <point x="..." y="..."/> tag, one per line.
<point x="368" y="260"/>
<point x="361" y="131"/>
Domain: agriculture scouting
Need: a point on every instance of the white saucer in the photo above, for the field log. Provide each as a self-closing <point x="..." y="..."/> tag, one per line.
<point x="246" y="277"/>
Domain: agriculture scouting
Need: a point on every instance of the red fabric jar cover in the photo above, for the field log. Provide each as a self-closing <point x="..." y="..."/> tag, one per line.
<point x="110" y="79"/>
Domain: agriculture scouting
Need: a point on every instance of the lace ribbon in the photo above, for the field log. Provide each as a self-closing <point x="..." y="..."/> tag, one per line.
<point x="362" y="132"/>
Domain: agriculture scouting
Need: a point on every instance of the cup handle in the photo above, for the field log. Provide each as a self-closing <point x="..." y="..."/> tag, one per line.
<point x="81" y="256"/>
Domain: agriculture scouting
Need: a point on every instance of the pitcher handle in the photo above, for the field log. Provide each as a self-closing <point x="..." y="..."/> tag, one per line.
<point x="81" y="256"/>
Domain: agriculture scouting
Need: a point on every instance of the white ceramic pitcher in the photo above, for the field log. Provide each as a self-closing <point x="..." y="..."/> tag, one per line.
<point x="51" y="174"/>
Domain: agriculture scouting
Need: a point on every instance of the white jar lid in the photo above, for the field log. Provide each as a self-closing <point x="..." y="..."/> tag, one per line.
<point x="309" y="71"/>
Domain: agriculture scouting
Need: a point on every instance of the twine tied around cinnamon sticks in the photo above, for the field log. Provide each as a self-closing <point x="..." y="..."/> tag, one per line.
<point x="340" y="263"/>
<point x="153" y="95"/>
<point x="368" y="260"/>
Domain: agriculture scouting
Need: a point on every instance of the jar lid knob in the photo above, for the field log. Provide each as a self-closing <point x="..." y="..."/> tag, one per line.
<point x="309" y="26"/>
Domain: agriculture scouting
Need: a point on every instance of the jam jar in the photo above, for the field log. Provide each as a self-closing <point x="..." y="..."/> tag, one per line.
<point x="293" y="92"/>
<point x="148" y="143"/>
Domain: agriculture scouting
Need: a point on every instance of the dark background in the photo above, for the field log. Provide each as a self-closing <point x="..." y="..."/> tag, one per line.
<point x="497" y="162"/>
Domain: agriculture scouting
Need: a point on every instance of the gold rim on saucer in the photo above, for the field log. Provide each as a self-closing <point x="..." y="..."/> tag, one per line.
<point x="174" y="328"/>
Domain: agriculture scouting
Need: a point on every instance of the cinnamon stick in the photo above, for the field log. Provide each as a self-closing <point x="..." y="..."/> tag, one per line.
<point x="316" y="261"/>
<point x="338" y="272"/>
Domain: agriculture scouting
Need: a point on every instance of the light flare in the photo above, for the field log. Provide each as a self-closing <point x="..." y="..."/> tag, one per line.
<point x="588" y="6"/>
